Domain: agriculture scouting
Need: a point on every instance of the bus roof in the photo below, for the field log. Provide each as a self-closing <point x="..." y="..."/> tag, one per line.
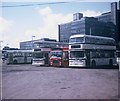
<point x="42" y="49"/>
<point x="83" y="35"/>
<point x="10" y="51"/>
<point x="61" y="48"/>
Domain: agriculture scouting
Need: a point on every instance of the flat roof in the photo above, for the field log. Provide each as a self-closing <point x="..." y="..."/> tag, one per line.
<point x="82" y="35"/>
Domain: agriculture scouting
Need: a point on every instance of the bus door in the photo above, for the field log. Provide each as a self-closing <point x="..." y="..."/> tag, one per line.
<point x="25" y="57"/>
<point x="46" y="59"/>
<point x="87" y="58"/>
<point x="65" y="58"/>
<point x="10" y="58"/>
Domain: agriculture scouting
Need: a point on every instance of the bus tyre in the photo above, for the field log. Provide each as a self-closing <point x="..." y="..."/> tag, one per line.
<point x="110" y="63"/>
<point x="31" y="61"/>
<point x="15" y="61"/>
<point x="93" y="63"/>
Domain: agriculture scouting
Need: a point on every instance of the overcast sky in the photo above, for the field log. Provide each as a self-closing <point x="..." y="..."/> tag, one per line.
<point x="19" y="24"/>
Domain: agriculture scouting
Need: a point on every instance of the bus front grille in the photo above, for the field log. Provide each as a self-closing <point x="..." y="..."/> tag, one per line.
<point x="55" y="61"/>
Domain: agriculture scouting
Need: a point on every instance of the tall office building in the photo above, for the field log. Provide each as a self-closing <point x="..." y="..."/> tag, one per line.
<point x="104" y="25"/>
<point x="114" y="12"/>
<point x="118" y="27"/>
<point x="64" y="31"/>
<point x="105" y="17"/>
<point x="88" y="26"/>
<point x="109" y="16"/>
<point x="77" y="16"/>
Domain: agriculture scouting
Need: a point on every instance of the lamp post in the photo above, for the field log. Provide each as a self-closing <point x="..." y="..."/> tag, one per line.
<point x="1" y="44"/>
<point x="1" y="67"/>
<point x="33" y="42"/>
<point x="1" y="53"/>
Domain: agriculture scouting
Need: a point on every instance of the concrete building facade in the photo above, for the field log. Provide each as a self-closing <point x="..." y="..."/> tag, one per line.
<point x="88" y="26"/>
<point x="104" y="25"/>
<point x="30" y="44"/>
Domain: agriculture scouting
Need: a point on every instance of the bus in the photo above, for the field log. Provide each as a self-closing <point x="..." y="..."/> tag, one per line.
<point x="59" y="57"/>
<point x="3" y="53"/>
<point x="88" y="50"/>
<point x="118" y="57"/>
<point x="18" y="56"/>
<point x="41" y="57"/>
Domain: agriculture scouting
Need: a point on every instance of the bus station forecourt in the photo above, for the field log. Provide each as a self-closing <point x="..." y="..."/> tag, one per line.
<point x="24" y="81"/>
<point x="85" y="77"/>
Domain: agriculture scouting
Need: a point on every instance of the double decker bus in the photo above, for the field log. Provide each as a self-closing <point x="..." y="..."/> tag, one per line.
<point x="59" y="57"/>
<point x="41" y="56"/>
<point x="18" y="56"/>
<point x="87" y="50"/>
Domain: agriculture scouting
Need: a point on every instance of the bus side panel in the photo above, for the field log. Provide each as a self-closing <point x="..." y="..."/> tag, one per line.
<point x="114" y="61"/>
<point x="46" y="59"/>
<point x="100" y="61"/>
<point x="29" y="59"/>
<point x="10" y="58"/>
<point x="65" y="59"/>
<point x="103" y="61"/>
<point x="87" y="53"/>
<point x="25" y="57"/>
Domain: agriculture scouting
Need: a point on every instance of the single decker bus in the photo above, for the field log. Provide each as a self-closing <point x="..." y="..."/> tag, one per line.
<point x="18" y="56"/>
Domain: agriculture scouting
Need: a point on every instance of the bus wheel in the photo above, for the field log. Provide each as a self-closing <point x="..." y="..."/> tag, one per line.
<point x="15" y="61"/>
<point x="110" y="62"/>
<point x="31" y="61"/>
<point x="93" y="63"/>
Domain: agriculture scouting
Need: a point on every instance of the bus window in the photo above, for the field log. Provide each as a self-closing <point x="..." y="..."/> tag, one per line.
<point x="76" y="54"/>
<point x="79" y="39"/>
<point x="57" y="54"/>
<point x="29" y="54"/>
<point x="38" y="55"/>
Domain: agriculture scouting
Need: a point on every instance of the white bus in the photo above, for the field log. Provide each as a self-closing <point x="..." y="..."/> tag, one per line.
<point x="18" y="56"/>
<point x="87" y="50"/>
<point x="41" y="57"/>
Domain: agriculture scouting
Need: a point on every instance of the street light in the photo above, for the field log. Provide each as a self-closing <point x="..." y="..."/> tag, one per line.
<point x="1" y="66"/>
<point x="1" y="44"/>
<point x="33" y="42"/>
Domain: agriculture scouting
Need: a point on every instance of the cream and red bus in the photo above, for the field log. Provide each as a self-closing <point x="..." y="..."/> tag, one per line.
<point x="59" y="57"/>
